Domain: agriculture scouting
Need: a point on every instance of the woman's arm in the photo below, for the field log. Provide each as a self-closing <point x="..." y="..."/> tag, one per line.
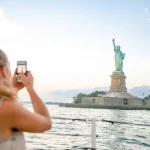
<point x="38" y="105"/>
<point x="19" y="117"/>
<point x="22" y="119"/>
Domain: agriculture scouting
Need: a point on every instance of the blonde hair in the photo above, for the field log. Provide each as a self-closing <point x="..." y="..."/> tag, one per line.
<point x="7" y="91"/>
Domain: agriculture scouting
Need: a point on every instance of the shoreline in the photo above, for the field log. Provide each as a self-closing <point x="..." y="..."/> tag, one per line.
<point x="71" y="105"/>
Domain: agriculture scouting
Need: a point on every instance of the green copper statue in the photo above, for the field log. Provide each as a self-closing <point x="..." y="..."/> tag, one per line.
<point x="119" y="57"/>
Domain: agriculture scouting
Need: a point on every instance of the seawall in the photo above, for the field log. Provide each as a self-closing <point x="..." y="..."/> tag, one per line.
<point x="104" y="106"/>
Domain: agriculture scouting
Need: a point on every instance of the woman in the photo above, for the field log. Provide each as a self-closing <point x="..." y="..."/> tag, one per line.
<point x="14" y="118"/>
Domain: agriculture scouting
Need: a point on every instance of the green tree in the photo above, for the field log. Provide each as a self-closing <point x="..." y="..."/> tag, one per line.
<point x="94" y="94"/>
<point x="147" y="97"/>
<point x="78" y="98"/>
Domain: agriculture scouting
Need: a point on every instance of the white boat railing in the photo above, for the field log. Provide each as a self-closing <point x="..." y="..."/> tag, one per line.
<point x="93" y="130"/>
<point x="93" y="134"/>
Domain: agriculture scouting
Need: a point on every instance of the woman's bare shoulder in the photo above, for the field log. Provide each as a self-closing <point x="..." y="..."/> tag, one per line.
<point x="8" y="107"/>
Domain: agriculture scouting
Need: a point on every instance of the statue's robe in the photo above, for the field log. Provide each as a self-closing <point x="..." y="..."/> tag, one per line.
<point x="119" y="56"/>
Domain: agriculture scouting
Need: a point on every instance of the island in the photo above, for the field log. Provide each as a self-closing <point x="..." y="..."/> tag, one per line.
<point x="117" y="97"/>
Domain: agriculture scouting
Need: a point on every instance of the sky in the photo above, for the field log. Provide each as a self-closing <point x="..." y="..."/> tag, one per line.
<point x="68" y="43"/>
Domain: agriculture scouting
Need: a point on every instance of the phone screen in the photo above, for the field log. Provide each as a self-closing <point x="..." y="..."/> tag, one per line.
<point x="21" y="66"/>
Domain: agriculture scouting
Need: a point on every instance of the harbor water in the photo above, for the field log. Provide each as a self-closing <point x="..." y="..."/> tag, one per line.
<point x="74" y="135"/>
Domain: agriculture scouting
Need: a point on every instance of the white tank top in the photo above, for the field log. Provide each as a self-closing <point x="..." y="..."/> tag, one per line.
<point x="15" y="142"/>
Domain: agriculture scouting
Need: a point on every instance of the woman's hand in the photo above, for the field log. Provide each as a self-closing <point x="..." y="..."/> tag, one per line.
<point x="17" y="85"/>
<point x="28" y="80"/>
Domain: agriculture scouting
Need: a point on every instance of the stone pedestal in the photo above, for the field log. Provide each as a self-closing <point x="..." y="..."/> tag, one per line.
<point x="118" y="83"/>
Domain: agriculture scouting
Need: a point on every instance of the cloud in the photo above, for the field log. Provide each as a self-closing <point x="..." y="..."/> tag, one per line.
<point x="7" y="26"/>
<point x="9" y="32"/>
<point x="148" y="19"/>
<point x="1" y="11"/>
<point x="11" y="38"/>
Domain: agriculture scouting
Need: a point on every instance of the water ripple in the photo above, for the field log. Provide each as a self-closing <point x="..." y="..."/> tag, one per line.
<point x="67" y="134"/>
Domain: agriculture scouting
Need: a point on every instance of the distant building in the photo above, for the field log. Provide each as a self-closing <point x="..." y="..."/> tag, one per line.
<point x="100" y="95"/>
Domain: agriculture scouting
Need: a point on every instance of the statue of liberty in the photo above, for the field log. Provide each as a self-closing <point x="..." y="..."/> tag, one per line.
<point x="119" y="57"/>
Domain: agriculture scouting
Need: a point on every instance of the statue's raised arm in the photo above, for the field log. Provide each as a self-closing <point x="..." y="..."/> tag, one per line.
<point x="114" y="44"/>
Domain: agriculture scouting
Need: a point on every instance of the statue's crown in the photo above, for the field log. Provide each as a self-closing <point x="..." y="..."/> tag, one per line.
<point x="118" y="46"/>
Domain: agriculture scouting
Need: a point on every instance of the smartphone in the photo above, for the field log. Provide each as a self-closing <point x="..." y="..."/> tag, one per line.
<point x="21" y="66"/>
